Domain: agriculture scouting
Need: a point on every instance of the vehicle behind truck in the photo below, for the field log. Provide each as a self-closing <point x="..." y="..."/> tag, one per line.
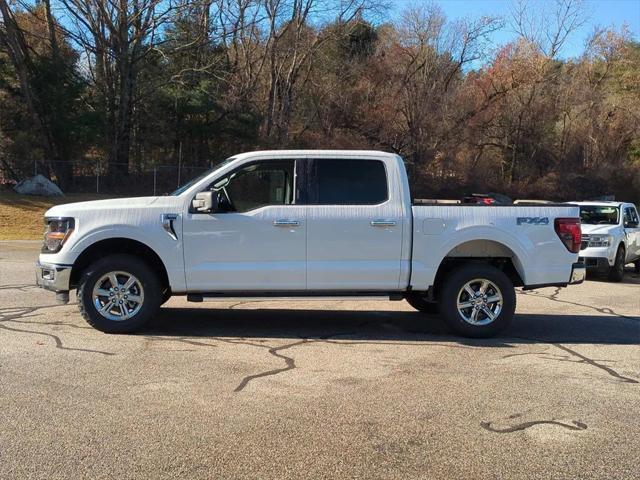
<point x="306" y="223"/>
<point x="610" y="237"/>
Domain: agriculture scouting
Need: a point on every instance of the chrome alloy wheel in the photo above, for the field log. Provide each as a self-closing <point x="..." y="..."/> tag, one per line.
<point x="118" y="296"/>
<point x="479" y="302"/>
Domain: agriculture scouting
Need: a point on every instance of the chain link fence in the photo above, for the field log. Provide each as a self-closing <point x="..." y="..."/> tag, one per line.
<point x="100" y="177"/>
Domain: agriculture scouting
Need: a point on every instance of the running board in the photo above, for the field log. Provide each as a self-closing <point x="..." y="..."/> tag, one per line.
<point x="301" y="296"/>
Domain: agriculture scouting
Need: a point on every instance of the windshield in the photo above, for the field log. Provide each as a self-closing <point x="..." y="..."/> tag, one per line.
<point x="189" y="184"/>
<point x="599" y="215"/>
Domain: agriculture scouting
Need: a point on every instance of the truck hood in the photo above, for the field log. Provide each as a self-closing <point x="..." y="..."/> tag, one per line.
<point x="597" y="229"/>
<point x="133" y="203"/>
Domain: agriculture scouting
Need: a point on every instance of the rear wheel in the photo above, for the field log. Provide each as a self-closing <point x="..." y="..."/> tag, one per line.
<point x="616" y="273"/>
<point x="420" y="303"/>
<point x="119" y="294"/>
<point x="477" y="300"/>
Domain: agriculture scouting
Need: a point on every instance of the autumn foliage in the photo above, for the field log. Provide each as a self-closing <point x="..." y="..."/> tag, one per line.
<point x="139" y="84"/>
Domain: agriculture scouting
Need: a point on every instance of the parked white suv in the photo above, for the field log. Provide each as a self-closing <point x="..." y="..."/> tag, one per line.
<point x="610" y="237"/>
<point x="306" y="223"/>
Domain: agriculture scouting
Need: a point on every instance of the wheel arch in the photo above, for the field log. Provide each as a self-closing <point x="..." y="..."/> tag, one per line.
<point x="116" y="245"/>
<point x="483" y="251"/>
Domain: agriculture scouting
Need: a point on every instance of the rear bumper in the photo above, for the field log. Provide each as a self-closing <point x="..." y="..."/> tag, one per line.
<point x="578" y="275"/>
<point x="56" y="278"/>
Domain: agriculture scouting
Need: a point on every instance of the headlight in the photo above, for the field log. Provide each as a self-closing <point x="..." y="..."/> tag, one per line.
<point x="600" y="240"/>
<point x="56" y="232"/>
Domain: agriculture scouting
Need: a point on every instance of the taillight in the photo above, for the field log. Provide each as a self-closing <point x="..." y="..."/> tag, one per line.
<point x="568" y="229"/>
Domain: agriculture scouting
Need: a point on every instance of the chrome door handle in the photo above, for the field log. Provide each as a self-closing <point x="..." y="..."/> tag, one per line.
<point x="286" y="223"/>
<point x="383" y="223"/>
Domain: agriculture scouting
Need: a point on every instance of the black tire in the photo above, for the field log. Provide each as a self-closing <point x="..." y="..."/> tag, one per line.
<point x="147" y="278"/>
<point x="165" y="296"/>
<point x="637" y="265"/>
<point x="421" y="304"/>
<point x="616" y="273"/>
<point x="452" y="288"/>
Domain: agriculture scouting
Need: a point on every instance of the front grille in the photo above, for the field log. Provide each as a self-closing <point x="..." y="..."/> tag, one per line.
<point x="585" y="242"/>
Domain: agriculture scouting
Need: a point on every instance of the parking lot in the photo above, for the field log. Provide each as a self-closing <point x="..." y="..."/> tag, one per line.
<point x="319" y="389"/>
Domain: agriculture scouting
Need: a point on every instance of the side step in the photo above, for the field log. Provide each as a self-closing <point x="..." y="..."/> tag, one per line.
<point x="302" y="296"/>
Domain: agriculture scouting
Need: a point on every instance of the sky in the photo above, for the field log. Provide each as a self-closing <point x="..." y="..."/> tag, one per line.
<point x="603" y="13"/>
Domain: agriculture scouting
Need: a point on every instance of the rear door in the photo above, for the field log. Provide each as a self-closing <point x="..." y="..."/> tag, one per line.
<point x="354" y="226"/>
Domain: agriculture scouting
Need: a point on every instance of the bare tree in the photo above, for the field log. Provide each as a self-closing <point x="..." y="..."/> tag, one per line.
<point x="548" y="24"/>
<point x="290" y="44"/>
<point x="115" y="36"/>
<point x="24" y="58"/>
<point x="435" y="54"/>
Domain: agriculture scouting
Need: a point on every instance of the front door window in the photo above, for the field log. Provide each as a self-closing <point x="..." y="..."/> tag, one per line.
<point x="256" y="185"/>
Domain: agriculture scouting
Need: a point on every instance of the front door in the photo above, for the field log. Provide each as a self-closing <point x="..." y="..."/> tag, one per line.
<point x="354" y="227"/>
<point x="256" y="238"/>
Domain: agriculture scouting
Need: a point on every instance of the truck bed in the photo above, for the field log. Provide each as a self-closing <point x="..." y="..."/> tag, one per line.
<point x="523" y="233"/>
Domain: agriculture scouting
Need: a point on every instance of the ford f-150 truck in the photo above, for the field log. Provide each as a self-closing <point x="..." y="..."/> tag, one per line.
<point x="300" y="224"/>
<point x="610" y="237"/>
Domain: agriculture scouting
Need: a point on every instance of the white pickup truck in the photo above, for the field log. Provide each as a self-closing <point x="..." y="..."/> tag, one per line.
<point x="610" y="237"/>
<point x="301" y="224"/>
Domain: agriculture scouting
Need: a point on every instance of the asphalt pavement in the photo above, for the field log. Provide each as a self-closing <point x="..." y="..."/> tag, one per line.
<point x="319" y="389"/>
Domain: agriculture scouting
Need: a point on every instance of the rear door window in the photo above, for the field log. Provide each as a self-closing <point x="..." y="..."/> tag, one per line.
<point x="347" y="182"/>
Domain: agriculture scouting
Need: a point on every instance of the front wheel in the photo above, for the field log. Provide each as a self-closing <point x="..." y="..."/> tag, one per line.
<point x="477" y="300"/>
<point x="119" y="294"/>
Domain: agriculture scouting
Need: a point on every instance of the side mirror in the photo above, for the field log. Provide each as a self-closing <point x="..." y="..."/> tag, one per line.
<point x="205" y="202"/>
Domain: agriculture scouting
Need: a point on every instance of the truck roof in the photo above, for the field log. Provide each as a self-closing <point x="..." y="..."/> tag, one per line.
<point x="610" y="203"/>
<point x="322" y="153"/>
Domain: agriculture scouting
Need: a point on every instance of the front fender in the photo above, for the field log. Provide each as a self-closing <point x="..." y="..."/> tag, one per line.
<point x="166" y="248"/>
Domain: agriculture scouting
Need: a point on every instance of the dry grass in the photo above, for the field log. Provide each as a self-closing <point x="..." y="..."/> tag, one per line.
<point x="21" y="215"/>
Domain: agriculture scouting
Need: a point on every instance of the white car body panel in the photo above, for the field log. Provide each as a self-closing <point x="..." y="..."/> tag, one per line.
<point x="538" y="256"/>
<point x="345" y="252"/>
<point x="245" y="251"/>
<point x="333" y="248"/>
<point x="132" y="218"/>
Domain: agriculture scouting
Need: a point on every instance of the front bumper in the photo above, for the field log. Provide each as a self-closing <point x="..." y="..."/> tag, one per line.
<point x="56" y="278"/>
<point x="578" y="273"/>
<point x="601" y="264"/>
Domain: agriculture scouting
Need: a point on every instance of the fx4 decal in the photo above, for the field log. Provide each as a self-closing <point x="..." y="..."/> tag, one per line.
<point x="533" y="220"/>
